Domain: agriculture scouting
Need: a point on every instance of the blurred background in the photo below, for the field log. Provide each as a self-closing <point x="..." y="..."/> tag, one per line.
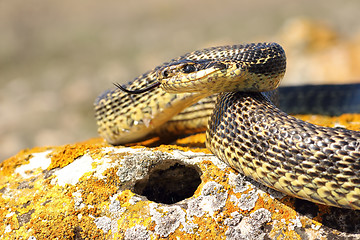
<point x="56" y="57"/>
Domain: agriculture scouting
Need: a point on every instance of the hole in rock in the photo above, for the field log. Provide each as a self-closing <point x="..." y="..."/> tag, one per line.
<point x="170" y="184"/>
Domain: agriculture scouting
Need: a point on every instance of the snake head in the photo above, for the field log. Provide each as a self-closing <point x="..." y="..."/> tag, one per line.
<point x="183" y="66"/>
<point x="187" y="75"/>
<point x="252" y="67"/>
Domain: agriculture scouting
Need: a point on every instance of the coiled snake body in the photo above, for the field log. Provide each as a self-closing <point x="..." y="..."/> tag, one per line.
<point x="245" y="130"/>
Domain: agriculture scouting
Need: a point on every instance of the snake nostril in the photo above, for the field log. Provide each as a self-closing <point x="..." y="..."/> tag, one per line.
<point x="170" y="183"/>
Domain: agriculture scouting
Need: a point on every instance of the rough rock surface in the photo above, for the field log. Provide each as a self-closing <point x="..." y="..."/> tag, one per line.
<point x="93" y="190"/>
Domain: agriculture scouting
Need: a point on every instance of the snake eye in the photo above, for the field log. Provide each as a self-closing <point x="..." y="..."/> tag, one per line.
<point x="189" y="68"/>
<point x="165" y="73"/>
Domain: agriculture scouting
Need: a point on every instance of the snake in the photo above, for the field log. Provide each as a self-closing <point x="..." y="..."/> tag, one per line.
<point x="230" y="89"/>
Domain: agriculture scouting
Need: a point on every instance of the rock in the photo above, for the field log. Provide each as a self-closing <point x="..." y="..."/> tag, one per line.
<point x="93" y="190"/>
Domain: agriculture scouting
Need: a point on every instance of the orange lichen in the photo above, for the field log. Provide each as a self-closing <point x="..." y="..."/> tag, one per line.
<point x="192" y="140"/>
<point x="170" y="148"/>
<point x="46" y="210"/>
<point x="210" y="171"/>
<point x="135" y="213"/>
<point x="125" y="196"/>
<point x="97" y="190"/>
<point x="61" y="219"/>
<point x="8" y="166"/>
<point x="63" y="155"/>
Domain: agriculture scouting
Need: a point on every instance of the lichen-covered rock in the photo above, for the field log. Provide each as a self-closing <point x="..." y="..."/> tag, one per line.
<point x="94" y="190"/>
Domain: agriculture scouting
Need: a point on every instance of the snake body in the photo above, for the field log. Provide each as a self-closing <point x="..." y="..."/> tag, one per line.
<point x="295" y="157"/>
<point x="245" y="130"/>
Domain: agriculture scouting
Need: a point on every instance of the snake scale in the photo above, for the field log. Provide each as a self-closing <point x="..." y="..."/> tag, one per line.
<point x="245" y="130"/>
